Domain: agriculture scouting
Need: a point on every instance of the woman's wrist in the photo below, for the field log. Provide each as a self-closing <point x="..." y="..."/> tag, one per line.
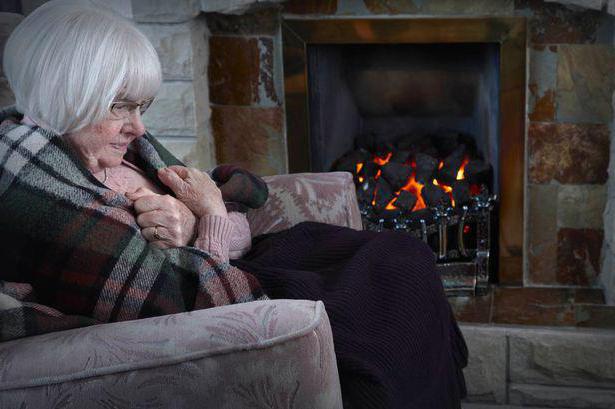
<point x="214" y="235"/>
<point x="221" y="212"/>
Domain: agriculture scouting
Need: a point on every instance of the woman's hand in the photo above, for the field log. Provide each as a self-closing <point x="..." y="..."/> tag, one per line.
<point x="195" y="189"/>
<point x="165" y="221"/>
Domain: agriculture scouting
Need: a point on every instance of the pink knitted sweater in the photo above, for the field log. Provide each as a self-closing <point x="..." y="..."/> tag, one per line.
<point x="224" y="237"/>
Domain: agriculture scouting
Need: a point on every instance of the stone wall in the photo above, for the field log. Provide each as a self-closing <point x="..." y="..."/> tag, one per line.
<point x="607" y="277"/>
<point x="554" y="368"/>
<point x="246" y="92"/>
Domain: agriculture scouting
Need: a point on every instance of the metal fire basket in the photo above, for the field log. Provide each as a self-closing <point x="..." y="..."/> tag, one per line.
<point x="461" y="239"/>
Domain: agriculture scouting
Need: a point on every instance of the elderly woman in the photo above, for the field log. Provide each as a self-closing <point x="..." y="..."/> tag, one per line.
<point x="120" y="229"/>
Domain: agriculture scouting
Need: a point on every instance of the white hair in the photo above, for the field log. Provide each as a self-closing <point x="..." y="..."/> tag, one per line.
<point x="68" y="60"/>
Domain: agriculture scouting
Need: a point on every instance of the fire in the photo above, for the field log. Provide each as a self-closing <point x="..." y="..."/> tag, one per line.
<point x="390" y="205"/>
<point x="415" y="188"/>
<point x="412" y="185"/>
<point x="446" y="188"/>
<point x="380" y="161"/>
<point x="359" y="167"/>
<point x="460" y="172"/>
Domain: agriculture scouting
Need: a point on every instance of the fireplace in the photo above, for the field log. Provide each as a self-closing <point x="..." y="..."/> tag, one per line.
<point x="428" y="115"/>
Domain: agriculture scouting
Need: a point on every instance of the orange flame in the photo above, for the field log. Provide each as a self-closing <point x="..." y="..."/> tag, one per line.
<point x="444" y="187"/>
<point x="359" y="167"/>
<point x="390" y="205"/>
<point x="380" y="161"/>
<point x="415" y="188"/>
<point x="460" y="172"/>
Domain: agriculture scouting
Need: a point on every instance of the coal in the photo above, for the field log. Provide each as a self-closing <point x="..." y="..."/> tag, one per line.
<point x="409" y="142"/>
<point x="425" y="168"/>
<point x="461" y="192"/>
<point x="448" y="174"/>
<point x="477" y="172"/>
<point x="367" y="142"/>
<point x="434" y="196"/>
<point x="348" y="162"/>
<point x="366" y="190"/>
<point x="469" y="142"/>
<point x="400" y="156"/>
<point x="405" y="201"/>
<point x="384" y="194"/>
<point x="382" y="149"/>
<point x="370" y="169"/>
<point x="396" y="174"/>
<point x="446" y="142"/>
<point x="422" y="144"/>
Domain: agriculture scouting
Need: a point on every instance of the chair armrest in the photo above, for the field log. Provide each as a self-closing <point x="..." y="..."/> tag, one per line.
<point x="238" y="356"/>
<point x="320" y="197"/>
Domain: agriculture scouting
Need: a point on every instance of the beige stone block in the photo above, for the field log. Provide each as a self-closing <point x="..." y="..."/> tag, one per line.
<point x="8" y="22"/>
<point x="585" y="83"/>
<point x="172" y="112"/>
<point x="581" y="206"/>
<point x="561" y="397"/>
<point x="6" y="95"/>
<point x="576" y="358"/>
<point x="122" y="7"/>
<point x="173" y="45"/>
<point x="164" y="11"/>
<point x="182" y="148"/>
<point x="28" y="6"/>
<point x="486" y="371"/>
<point x="231" y="6"/>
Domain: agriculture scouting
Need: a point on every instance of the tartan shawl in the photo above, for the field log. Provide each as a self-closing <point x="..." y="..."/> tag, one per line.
<point x="72" y="253"/>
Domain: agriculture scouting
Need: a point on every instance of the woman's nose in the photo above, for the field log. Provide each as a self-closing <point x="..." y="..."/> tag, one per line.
<point x="135" y="123"/>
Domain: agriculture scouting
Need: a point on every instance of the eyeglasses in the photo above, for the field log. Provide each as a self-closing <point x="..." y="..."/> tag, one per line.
<point x="123" y="109"/>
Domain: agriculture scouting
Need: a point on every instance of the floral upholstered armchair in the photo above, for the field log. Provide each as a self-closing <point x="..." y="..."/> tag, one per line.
<point x="263" y="354"/>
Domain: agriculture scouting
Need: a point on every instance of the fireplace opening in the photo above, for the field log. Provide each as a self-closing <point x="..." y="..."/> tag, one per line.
<point x="418" y="127"/>
<point x="428" y="114"/>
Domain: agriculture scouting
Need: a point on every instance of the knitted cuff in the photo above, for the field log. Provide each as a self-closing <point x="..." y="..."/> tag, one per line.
<point x="214" y="236"/>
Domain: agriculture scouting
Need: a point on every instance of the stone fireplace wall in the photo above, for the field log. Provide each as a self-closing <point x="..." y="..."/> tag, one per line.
<point x="569" y="113"/>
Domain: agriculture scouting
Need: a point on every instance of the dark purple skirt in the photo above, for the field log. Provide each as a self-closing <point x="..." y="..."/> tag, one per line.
<point x="396" y="340"/>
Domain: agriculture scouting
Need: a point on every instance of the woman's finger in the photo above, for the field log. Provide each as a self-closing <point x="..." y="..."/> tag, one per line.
<point x="150" y="203"/>
<point x="181" y="171"/>
<point x="154" y="233"/>
<point x="139" y="193"/>
<point x="153" y="218"/>
<point x="173" y="181"/>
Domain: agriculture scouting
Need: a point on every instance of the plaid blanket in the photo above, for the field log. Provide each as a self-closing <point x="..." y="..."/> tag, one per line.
<point x="72" y="253"/>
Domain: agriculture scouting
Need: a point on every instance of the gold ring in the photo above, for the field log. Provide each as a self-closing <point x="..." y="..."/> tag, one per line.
<point x="156" y="235"/>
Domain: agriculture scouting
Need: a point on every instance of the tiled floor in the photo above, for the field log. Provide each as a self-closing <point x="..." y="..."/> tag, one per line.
<point x="576" y="307"/>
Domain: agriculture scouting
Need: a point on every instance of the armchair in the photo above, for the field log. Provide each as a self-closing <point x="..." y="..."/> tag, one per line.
<point x="262" y="354"/>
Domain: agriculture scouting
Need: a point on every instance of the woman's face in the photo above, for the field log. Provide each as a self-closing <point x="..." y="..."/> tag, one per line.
<point x="104" y="144"/>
